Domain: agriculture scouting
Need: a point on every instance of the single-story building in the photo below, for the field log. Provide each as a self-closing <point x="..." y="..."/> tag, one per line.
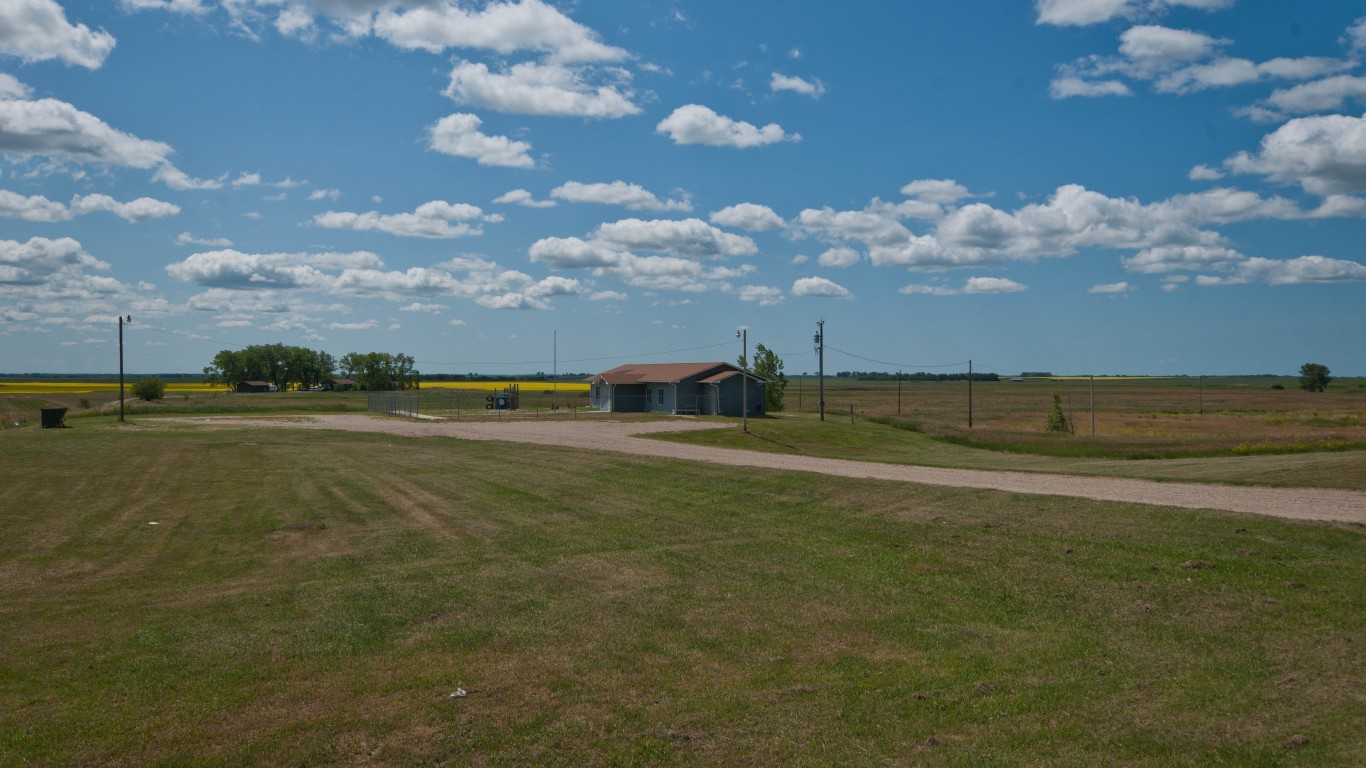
<point x="707" y="389"/>
<point x="339" y="385"/>
<point x="255" y="386"/>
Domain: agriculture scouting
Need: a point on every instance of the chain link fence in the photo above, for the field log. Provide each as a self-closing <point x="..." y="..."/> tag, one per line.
<point x="469" y="404"/>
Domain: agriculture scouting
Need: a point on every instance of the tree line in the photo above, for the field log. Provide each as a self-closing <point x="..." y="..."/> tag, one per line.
<point x="288" y="367"/>
<point x="917" y="376"/>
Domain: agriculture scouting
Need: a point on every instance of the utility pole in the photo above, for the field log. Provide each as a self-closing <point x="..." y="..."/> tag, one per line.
<point x="1093" y="406"/>
<point x="743" y="336"/>
<point x="1202" y="395"/>
<point x="898" y="392"/>
<point x="969" y="394"/>
<point x="820" y="349"/>
<point x="122" y="319"/>
<point x="555" y="364"/>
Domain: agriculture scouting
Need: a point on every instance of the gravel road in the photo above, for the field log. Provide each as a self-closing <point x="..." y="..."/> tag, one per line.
<point x="1292" y="503"/>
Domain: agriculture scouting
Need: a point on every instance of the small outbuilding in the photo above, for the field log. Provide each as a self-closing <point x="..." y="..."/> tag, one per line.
<point x="255" y="386"/>
<point x="339" y="385"/>
<point x="706" y="389"/>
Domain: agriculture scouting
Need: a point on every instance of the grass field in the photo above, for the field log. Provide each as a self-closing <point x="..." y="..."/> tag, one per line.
<point x="317" y="598"/>
<point x="1134" y="417"/>
<point x="52" y="387"/>
<point x="874" y="440"/>
<point x="21" y="401"/>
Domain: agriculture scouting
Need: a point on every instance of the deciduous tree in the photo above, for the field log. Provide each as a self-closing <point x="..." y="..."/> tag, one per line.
<point x="768" y="366"/>
<point x="1314" y="377"/>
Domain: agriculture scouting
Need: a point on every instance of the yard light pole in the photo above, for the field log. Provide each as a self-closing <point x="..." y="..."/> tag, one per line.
<point x="743" y="336"/>
<point x="122" y="320"/>
<point x="820" y="352"/>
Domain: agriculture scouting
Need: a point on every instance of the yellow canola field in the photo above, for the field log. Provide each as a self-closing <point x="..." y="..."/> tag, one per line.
<point x="36" y="387"/>
<point x="25" y="387"/>
<point x="1100" y="378"/>
<point x="527" y="387"/>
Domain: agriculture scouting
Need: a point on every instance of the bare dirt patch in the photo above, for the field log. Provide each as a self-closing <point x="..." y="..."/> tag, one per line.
<point x="1291" y="503"/>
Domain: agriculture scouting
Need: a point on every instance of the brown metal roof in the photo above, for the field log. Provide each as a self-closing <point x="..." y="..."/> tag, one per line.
<point x="722" y="376"/>
<point x="667" y="373"/>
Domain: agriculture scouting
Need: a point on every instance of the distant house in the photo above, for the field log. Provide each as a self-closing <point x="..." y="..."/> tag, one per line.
<point x="255" y="386"/>
<point x="708" y="389"/>
<point x="339" y="385"/>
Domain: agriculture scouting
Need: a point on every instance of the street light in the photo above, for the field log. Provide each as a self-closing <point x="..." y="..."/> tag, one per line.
<point x="743" y="336"/>
<point x="122" y="319"/>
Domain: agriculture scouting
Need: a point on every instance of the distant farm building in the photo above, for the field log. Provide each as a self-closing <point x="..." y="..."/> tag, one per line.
<point x="255" y="386"/>
<point x="707" y="389"/>
<point x="339" y="385"/>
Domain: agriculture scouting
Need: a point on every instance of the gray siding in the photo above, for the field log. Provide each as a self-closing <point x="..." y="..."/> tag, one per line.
<point x="687" y="396"/>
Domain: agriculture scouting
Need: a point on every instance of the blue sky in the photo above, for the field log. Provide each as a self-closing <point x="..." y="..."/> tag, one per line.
<point x="1083" y="186"/>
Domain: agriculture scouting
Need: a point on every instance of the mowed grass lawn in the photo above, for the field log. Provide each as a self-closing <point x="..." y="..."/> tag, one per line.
<point x="311" y="598"/>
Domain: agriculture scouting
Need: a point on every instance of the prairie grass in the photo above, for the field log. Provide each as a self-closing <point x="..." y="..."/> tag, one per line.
<point x="1132" y="416"/>
<point x="1322" y="465"/>
<point x="316" y="598"/>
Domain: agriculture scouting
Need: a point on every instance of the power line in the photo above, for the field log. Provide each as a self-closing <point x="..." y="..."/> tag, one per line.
<point x="898" y="365"/>
<point x="580" y="359"/>
<point x="191" y="337"/>
<point x="200" y="337"/>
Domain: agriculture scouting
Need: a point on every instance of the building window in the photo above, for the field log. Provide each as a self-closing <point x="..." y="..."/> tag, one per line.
<point x="661" y="395"/>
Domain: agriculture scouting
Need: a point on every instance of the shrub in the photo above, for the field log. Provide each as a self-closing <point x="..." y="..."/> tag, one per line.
<point x="85" y="402"/>
<point x="149" y="389"/>
<point x="1278" y="386"/>
<point x="1057" y="420"/>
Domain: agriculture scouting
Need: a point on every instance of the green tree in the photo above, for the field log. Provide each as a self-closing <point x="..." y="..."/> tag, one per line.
<point x="284" y="366"/>
<point x="149" y="388"/>
<point x="379" y="371"/>
<point x="1057" y="420"/>
<point x="1314" y="377"/>
<point x="767" y="365"/>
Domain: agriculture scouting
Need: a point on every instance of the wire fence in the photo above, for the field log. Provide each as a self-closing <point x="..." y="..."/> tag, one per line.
<point x="466" y="404"/>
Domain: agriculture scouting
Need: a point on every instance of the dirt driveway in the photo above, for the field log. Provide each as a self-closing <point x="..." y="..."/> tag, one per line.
<point x="1293" y="503"/>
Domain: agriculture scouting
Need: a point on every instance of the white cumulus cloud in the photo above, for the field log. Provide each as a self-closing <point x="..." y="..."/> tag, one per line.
<point x="139" y="210"/>
<point x="632" y="196"/>
<point x="459" y="135"/>
<point x="780" y="82"/>
<point x="1324" y="154"/>
<point x="748" y="216"/>
<point x="1079" y="13"/>
<point x="533" y="88"/>
<point x="696" y="124"/>
<point x="763" y="295"/>
<point x="38" y="30"/>
<point x="820" y="287"/>
<point x="523" y="198"/>
<point x="503" y="27"/>
<point x="434" y="219"/>
<point x="971" y="286"/>
<point x="839" y="257"/>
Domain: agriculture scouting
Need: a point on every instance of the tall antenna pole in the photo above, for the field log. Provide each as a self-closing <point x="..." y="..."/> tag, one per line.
<point x="743" y="333"/>
<point x="121" y="320"/>
<point x="969" y="393"/>
<point x="820" y="349"/>
<point x="898" y="392"/>
<point x="555" y="365"/>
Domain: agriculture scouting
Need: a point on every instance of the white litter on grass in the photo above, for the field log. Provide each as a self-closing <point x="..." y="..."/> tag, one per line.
<point x="458" y="693"/>
<point x="154" y="523"/>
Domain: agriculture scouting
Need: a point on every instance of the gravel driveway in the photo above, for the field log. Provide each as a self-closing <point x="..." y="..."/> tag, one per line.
<point x="1293" y="503"/>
